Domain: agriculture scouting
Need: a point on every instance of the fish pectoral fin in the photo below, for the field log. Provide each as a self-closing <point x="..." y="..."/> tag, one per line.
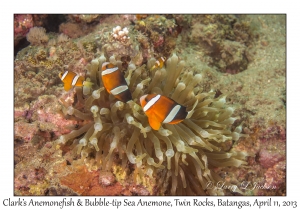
<point x="67" y="86"/>
<point x="154" y="122"/>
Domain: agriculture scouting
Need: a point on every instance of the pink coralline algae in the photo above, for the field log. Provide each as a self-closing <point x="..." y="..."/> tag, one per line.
<point x="273" y="143"/>
<point x="272" y="156"/>
<point x="159" y="42"/>
<point x="22" y="24"/>
<point x="268" y="158"/>
<point x="275" y="176"/>
<point x="25" y="130"/>
<point x="29" y="177"/>
<point x="43" y="112"/>
<point x="72" y="30"/>
<point x="56" y="121"/>
<point x="50" y="119"/>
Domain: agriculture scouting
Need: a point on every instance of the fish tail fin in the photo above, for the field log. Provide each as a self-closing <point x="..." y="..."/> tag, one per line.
<point x="87" y="87"/>
<point x="87" y="83"/>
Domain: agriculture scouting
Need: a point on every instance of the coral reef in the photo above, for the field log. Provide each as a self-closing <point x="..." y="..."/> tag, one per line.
<point x="72" y="30"/>
<point x="40" y="117"/>
<point x="86" y="18"/>
<point x="159" y="31"/>
<point x="275" y="176"/>
<point x="220" y="48"/>
<point x="117" y="42"/>
<point x="37" y="36"/>
<point x="42" y="64"/>
<point x="22" y="24"/>
<point x="226" y="40"/>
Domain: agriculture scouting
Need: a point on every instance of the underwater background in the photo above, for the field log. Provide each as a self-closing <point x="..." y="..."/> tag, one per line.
<point x="242" y="57"/>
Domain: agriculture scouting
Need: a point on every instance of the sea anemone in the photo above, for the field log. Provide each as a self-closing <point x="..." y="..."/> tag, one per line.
<point x="181" y="155"/>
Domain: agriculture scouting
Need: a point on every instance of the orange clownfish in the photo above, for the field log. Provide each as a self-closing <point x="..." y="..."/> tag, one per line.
<point x="140" y="16"/>
<point x="114" y="82"/>
<point x="159" y="63"/>
<point x="71" y="79"/>
<point x="160" y="109"/>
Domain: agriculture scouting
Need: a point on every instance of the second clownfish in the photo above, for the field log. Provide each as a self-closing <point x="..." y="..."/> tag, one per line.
<point x="160" y="109"/>
<point x="71" y="79"/>
<point x="159" y="63"/>
<point x="114" y="82"/>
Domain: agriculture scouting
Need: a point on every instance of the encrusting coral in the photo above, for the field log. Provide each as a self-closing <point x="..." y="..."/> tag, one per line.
<point x="181" y="155"/>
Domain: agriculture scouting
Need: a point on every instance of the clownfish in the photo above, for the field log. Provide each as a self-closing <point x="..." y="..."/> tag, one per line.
<point x="140" y="16"/>
<point x="161" y="109"/>
<point x="71" y="79"/>
<point x="114" y="82"/>
<point x="159" y="63"/>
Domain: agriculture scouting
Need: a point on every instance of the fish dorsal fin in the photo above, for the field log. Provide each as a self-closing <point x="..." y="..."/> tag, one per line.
<point x="154" y="122"/>
<point x="190" y="113"/>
